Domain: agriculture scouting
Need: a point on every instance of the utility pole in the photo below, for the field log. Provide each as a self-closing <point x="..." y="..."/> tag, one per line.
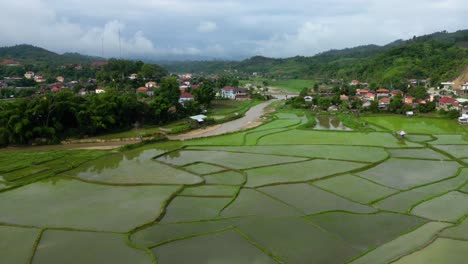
<point x="120" y="44"/>
<point x="102" y="47"/>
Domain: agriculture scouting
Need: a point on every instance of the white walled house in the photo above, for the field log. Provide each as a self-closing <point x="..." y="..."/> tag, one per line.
<point x="228" y="92"/>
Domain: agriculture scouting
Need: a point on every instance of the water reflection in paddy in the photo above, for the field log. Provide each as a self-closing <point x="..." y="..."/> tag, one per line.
<point x="328" y="122"/>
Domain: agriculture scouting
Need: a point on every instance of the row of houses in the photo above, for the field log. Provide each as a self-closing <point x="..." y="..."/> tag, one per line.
<point x="39" y="78"/>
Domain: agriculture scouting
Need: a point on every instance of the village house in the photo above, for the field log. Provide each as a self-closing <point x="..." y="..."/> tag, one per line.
<point x="234" y="93"/>
<point x="100" y="90"/>
<point x="60" y="79"/>
<point x="133" y="76"/>
<point x="408" y="99"/>
<point x="354" y="83"/>
<point x="228" y="92"/>
<point x="241" y="93"/>
<point x="308" y="98"/>
<point x="82" y="92"/>
<point x="361" y="92"/>
<point x="447" y="103"/>
<point x="384" y="102"/>
<point x="344" y="97"/>
<point x="39" y="78"/>
<point x="185" y="76"/>
<point x="382" y="92"/>
<point x="464" y="88"/>
<point x="185" y="96"/>
<point x="369" y="97"/>
<point x="396" y="92"/>
<point x="151" y="85"/>
<point x="29" y="75"/>
<point x="447" y="85"/>
<point x="142" y="90"/>
<point x="464" y="110"/>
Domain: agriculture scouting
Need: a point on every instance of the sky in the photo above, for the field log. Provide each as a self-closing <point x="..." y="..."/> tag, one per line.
<point x="223" y="29"/>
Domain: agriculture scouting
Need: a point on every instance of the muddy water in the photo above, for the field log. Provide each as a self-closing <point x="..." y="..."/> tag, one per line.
<point x="327" y="122"/>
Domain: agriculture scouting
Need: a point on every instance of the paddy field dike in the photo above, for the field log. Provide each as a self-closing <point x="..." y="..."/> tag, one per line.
<point x="277" y="193"/>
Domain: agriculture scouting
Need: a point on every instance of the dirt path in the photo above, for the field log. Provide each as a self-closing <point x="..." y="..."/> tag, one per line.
<point x="250" y="119"/>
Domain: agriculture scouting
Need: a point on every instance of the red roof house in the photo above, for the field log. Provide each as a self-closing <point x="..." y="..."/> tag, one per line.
<point x="447" y="103"/>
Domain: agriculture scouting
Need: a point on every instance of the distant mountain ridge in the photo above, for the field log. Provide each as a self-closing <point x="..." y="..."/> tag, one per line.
<point x="28" y="54"/>
<point x="440" y="56"/>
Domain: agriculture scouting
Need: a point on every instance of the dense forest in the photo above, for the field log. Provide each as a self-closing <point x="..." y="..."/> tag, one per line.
<point x="440" y="56"/>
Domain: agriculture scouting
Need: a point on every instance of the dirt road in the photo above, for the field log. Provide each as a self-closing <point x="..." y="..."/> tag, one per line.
<point x="250" y="119"/>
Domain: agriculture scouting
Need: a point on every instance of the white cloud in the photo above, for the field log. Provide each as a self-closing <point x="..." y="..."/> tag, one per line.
<point x="272" y="28"/>
<point x="207" y="27"/>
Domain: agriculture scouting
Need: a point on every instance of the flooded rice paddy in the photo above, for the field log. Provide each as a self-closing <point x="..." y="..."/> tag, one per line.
<point x="276" y="193"/>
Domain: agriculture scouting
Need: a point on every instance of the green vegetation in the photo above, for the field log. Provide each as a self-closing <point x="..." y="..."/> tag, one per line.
<point x="203" y="168"/>
<point x="349" y="153"/>
<point x="212" y="248"/>
<point x="405" y="174"/>
<point x="402" y="245"/>
<point x="277" y="193"/>
<point x="424" y="153"/>
<point x="294" y="172"/>
<point x="458" y="232"/>
<point x="437" y="56"/>
<point x="230" y="107"/>
<point x="437" y="208"/>
<point x="297" y="241"/>
<point x="365" y="231"/>
<point x="83" y="206"/>
<point x="417" y="125"/>
<point x="58" y="246"/>
<point x="225" y="178"/>
<point x="293" y="85"/>
<point x="440" y="251"/>
<point x="301" y="137"/>
<point x="185" y="209"/>
<point x="60" y="115"/>
<point x="17" y="244"/>
<point x="355" y="188"/>
<point x="304" y="197"/>
<point x="28" y="54"/>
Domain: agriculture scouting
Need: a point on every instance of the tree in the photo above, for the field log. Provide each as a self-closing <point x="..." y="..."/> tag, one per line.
<point x="374" y="107"/>
<point x="205" y="94"/>
<point x="357" y="104"/>
<point x="396" y="103"/>
<point x="316" y="87"/>
<point x="304" y="92"/>
<point x="418" y="92"/>
<point x="169" y="90"/>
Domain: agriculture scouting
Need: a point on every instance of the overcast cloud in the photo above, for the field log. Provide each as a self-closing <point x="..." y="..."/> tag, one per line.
<point x="221" y="28"/>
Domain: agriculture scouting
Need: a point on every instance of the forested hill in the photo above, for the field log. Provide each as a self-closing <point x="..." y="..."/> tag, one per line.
<point x="440" y="56"/>
<point x="28" y="54"/>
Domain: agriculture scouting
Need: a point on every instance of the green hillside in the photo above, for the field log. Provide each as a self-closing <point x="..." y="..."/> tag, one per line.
<point x="439" y="56"/>
<point x="28" y="54"/>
